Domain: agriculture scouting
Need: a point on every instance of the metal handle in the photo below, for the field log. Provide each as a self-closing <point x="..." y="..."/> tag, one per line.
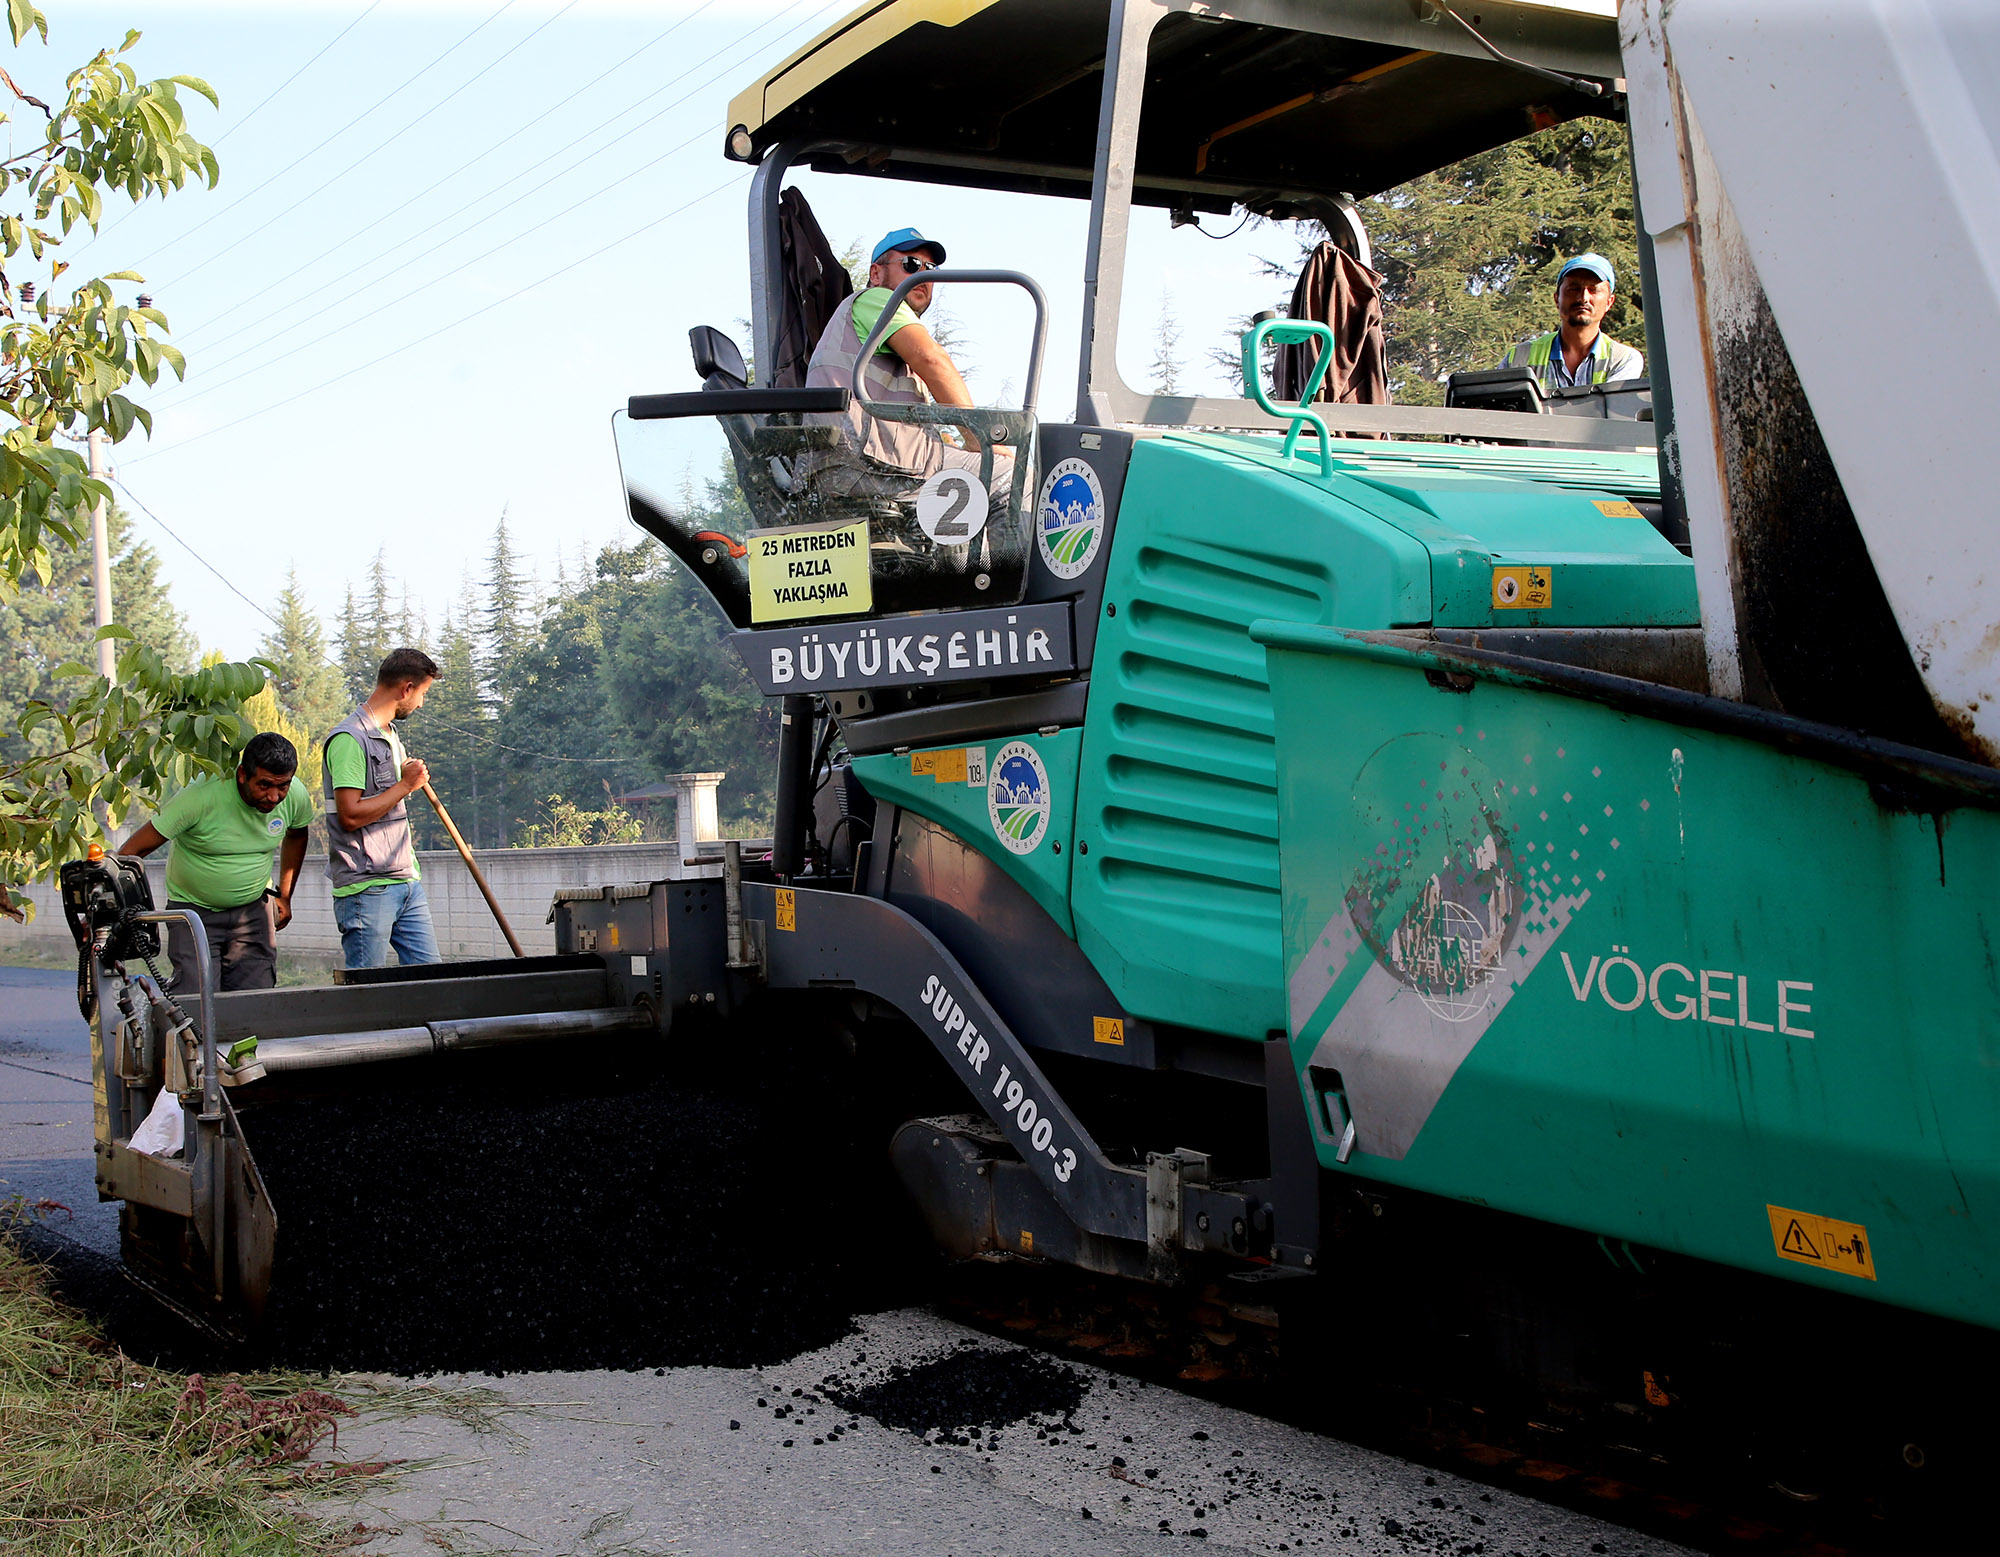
<point x="211" y="1080"/>
<point x="977" y="277"/>
<point x="1291" y="332"/>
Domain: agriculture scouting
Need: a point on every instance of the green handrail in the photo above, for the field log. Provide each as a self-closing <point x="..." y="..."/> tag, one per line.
<point x="1291" y="332"/>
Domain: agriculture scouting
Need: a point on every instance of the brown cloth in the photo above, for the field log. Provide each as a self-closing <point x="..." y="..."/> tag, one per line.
<point x="1338" y="290"/>
<point x="811" y="286"/>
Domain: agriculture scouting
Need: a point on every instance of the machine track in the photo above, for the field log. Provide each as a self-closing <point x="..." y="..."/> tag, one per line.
<point x="1209" y="1339"/>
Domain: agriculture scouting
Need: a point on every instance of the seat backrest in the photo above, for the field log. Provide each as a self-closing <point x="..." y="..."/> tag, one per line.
<point x="717" y="360"/>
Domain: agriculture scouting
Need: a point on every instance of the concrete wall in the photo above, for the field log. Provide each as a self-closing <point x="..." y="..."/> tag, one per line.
<point x="524" y="880"/>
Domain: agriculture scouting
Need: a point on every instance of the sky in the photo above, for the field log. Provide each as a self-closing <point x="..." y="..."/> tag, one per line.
<point x="452" y="236"/>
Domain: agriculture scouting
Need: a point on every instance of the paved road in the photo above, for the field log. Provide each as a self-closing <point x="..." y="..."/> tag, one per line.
<point x="602" y="1463"/>
<point x="697" y="1460"/>
<point x="45" y="1127"/>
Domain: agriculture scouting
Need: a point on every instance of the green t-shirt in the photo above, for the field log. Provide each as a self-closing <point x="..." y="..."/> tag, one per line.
<point x="868" y="308"/>
<point x="223" y="848"/>
<point x="348" y="765"/>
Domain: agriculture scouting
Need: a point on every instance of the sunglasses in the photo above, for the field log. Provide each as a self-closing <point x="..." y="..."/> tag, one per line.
<point x="911" y="264"/>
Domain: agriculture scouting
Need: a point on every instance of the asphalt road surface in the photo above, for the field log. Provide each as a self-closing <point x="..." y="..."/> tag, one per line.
<point x="912" y="1435"/>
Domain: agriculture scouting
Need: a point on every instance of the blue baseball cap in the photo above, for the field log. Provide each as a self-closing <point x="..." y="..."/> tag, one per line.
<point x="1596" y="264"/>
<point x="908" y="239"/>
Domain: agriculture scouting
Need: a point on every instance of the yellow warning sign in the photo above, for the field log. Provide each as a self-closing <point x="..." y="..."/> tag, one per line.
<point x="1027" y="1241"/>
<point x="809" y="570"/>
<point x="1108" y="1029"/>
<point x="1617" y="509"/>
<point x="947" y="767"/>
<point x="788" y="909"/>
<point x="1822" y="1241"/>
<point x="1523" y="589"/>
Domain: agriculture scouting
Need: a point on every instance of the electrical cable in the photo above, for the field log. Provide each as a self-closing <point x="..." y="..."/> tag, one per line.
<point x="374" y="6"/>
<point x="519" y="751"/>
<point x="523" y="195"/>
<point x="308" y="65"/>
<point x="321" y="186"/>
<point x="441" y="329"/>
<point x="361" y="232"/>
<point x="329" y="140"/>
<point x="458" y="268"/>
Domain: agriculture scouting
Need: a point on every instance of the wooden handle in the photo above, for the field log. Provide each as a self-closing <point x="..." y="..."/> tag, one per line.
<point x="478" y="875"/>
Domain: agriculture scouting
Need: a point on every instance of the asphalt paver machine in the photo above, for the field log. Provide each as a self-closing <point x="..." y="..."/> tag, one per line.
<point x="1525" y="871"/>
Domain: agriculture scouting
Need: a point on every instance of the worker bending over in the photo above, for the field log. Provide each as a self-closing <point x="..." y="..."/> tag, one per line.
<point x="1579" y="352"/>
<point x="879" y="457"/>
<point x="378" y="898"/>
<point x="224" y="835"/>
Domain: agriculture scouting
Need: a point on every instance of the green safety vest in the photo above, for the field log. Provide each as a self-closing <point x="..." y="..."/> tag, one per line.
<point x="1542" y="349"/>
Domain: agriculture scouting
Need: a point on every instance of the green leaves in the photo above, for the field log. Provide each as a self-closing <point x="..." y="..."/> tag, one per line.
<point x="22" y="16"/>
<point x="65" y="361"/>
<point x="124" y="746"/>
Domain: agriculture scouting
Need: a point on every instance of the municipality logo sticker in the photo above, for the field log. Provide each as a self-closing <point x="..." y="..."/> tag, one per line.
<point x="1017" y="798"/>
<point x="1071" y="518"/>
<point x="274" y="824"/>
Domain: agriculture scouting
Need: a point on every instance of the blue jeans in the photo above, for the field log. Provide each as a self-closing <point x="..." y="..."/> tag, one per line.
<point x="377" y="918"/>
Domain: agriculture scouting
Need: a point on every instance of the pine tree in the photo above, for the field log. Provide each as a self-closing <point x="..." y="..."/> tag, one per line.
<point x="308" y="687"/>
<point x="455" y="735"/>
<point x="1468" y="254"/>
<point x="1166" y="362"/>
<point x="44" y="625"/>
<point x="506" y="628"/>
<point x="370" y="630"/>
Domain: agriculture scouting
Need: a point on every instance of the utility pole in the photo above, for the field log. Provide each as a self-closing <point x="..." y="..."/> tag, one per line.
<point x="100" y="560"/>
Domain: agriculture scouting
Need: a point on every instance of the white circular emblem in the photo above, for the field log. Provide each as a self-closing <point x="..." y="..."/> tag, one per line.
<point x="1069" y="520"/>
<point x="1017" y="797"/>
<point x="274" y="824"/>
<point x="952" y="506"/>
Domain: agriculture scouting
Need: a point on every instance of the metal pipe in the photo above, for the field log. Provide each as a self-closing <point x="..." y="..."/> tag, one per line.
<point x="211" y="1078"/>
<point x="334" y="1051"/>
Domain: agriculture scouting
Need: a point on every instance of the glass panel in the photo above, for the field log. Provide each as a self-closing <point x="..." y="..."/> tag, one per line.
<point x="726" y="476"/>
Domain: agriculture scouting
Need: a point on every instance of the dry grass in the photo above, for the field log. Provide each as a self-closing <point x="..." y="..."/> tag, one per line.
<point x="102" y="1455"/>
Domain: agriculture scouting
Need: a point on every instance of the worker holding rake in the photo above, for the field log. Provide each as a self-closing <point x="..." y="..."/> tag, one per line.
<point x="378" y="896"/>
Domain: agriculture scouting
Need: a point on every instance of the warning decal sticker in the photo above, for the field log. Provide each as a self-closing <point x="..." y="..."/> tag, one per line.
<point x="1523" y="589"/>
<point x="788" y="909"/>
<point x="1822" y="1241"/>
<point x="1615" y="510"/>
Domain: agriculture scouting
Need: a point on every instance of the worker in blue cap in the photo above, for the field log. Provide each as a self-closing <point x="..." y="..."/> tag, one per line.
<point x="908" y="367"/>
<point x="1579" y="352"/>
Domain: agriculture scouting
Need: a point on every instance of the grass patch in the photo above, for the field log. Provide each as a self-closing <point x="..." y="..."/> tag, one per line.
<point x="103" y="1455"/>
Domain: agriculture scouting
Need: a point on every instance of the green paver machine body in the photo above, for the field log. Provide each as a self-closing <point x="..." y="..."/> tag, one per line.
<point x="1390" y="753"/>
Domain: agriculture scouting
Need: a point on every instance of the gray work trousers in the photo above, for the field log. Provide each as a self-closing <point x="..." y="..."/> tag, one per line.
<point x="242" y="948"/>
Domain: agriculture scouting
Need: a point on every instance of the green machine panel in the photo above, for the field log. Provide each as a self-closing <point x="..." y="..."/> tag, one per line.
<point x="1650" y="976"/>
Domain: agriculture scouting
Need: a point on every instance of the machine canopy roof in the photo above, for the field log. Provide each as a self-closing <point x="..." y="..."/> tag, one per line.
<point x="1350" y="97"/>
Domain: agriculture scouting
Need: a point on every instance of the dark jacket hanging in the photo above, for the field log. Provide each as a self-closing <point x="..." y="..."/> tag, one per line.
<point x="813" y="284"/>
<point x="1338" y="290"/>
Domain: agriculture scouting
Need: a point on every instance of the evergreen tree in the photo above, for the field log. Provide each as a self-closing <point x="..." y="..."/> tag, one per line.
<point x="309" y="688"/>
<point x="505" y="631"/>
<point x="368" y="632"/>
<point x="1468" y="254"/>
<point x="1166" y="364"/>
<point x="453" y="734"/>
<point x="44" y="625"/>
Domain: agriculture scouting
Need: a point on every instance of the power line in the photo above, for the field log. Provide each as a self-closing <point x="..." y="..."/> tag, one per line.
<point x="333" y="664"/>
<point x="518" y="199"/>
<point x="308" y="65"/>
<point x="329" y="140"/>
<point x="521" y="130"/>
<point x="443" y="328"/>
<point x="458" y="268"/>
<point x="323" y="185"/>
